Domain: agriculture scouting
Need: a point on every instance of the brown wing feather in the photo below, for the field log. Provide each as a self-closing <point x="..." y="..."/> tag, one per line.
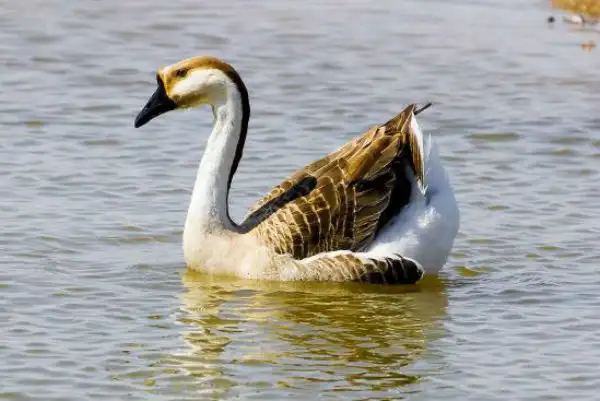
<point x="358" y="187"/>
<point x="352" y="266"/>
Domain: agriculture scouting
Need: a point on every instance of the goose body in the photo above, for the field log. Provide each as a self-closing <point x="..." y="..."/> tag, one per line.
<point x="379" y="209"/>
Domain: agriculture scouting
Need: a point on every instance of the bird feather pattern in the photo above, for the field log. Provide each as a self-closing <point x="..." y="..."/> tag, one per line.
<point x="358" y="188"/>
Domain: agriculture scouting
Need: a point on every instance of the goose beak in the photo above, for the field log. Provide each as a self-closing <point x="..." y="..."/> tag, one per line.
<point x="159" y="103"/>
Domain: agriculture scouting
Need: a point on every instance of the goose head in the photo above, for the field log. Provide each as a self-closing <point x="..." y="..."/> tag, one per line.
<point x="190" y="83"/>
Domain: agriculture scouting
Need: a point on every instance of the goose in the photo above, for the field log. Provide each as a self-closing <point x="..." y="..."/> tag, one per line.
<point x="380" y="209"/>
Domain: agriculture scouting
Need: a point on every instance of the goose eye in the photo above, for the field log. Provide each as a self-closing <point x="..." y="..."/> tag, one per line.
<point x="181" y="73"/>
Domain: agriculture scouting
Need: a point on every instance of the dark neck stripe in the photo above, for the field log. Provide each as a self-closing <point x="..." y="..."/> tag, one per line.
<point x="241" y="87"/>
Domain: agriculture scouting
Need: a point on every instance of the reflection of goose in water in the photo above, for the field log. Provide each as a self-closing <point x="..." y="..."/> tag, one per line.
<point x="315" y="336"/>
<point x="379" y="209"/>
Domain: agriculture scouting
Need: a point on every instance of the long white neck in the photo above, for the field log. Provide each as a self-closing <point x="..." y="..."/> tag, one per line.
<point x="208" y="210"/>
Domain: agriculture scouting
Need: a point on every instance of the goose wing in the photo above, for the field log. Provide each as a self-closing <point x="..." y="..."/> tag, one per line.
<point x="343" y="199"/>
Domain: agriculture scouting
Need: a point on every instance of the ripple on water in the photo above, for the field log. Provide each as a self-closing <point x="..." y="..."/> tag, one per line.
<point x="495" y="136"/>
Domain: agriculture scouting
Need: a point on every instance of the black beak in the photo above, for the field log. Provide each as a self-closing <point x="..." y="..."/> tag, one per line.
<point x="159" y="103"/>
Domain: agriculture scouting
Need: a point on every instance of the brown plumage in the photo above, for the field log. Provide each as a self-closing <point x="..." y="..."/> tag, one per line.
<point x="358" y="189"/>
<point x="356" y="266"/>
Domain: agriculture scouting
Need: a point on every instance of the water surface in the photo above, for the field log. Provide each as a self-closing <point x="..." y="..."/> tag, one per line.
<point x="96" y="302"/>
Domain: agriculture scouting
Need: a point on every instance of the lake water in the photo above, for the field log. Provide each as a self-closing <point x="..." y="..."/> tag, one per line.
<point x="96" y="303"/>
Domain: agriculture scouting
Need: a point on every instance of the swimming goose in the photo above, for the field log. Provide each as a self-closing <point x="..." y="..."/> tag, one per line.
<point x="380" y="209"/>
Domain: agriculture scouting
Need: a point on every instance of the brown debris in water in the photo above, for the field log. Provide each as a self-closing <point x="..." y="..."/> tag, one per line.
<point x="588" y="46"/>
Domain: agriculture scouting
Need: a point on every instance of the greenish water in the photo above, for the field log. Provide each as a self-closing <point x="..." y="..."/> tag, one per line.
<point x="95" y="299"/>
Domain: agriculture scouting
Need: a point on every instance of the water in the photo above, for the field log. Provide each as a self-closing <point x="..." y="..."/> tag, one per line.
<point x="96" y="302"/>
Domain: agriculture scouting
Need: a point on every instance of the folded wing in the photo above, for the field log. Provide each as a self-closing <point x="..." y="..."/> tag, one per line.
<point x="341" y="201"/>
